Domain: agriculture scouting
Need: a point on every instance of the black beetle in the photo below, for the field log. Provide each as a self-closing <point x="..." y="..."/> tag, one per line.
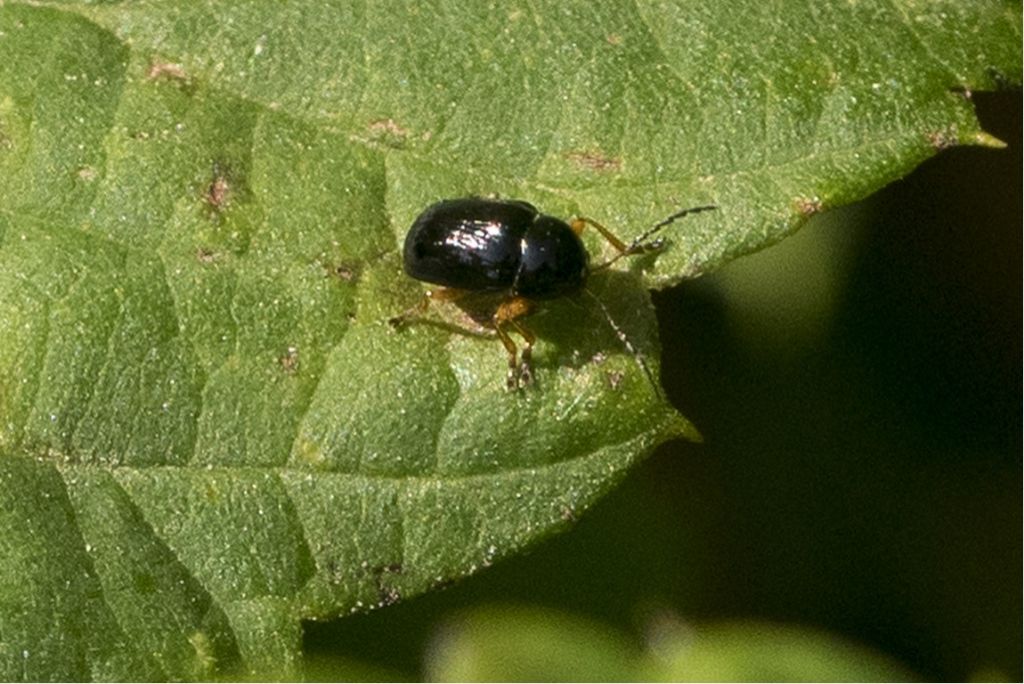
<point x="509" y="249"/>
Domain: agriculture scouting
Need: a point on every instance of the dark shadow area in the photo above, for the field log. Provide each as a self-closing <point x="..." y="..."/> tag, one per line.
<point x="872" y="484"/>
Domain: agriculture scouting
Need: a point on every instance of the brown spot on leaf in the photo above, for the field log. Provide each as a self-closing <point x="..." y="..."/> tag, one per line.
<point x="342" y="272"/>
<point x="615" y="379"/>
<point x="290" y="360"/>
<point x="388" y="596"/>
<point x="387" y="126"/>
<point x="384" y="132"/>
<point x="614" y="39"/>
<point x="205" y="255"/>
<point x="167" y="70"/>
<point x="943" y="139"/>
<point x="218" y="191"/>
<point x="594" y="161"/>
<point x="808" y="206"/>
<point x="87" y="173"/>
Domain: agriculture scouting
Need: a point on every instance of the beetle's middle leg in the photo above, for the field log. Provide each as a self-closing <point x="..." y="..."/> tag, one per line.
<point x="519" y="372"/>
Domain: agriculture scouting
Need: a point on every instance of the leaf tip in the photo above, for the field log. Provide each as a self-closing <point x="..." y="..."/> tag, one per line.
<point x="678" y="427"/>
<point x="949" y="137"/>
<point x="983" y="139"/>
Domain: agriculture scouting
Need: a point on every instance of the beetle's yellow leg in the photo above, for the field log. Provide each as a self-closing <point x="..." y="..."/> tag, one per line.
<point x="525" y="356"/>
<point x="512" y="379"/>
<point x="581" y="222"/>
<point x="507" y="312"/>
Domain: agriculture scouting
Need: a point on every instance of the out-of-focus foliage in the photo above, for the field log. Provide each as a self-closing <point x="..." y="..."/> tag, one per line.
<point x="502" y="643"/>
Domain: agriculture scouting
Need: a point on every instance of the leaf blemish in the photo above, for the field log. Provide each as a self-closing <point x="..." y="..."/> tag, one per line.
<point x="205" y="255"/>
<point x="341" y="272"/>
<point x="387" y="595"/>
<point x="87" y="174"/>
<point x="217" y="192"/>
<point x="167" y="70"/>
<point x="809" y="206"/>
<point x="594" y="161"/>
<point x="384" y="132"/>
<point x="290" y="360"/>
<point x="943" y="139"/>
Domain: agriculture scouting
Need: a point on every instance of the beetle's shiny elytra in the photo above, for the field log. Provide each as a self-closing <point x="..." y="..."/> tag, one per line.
<point x="493" y="246"/>
<point x="508" y="248"/>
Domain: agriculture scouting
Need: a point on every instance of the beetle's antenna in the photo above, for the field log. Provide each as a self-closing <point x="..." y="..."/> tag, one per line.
<point x="668" y="221"/>
<point x="640" y="244"/>
<point x="626" y="342"/>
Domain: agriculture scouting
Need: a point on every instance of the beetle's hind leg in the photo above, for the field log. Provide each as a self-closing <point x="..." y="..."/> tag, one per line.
<point x="525" y="356"/>
<point x="441" y="294"/>
<point x="512" y="379"/>
<point x="520" y="371"/>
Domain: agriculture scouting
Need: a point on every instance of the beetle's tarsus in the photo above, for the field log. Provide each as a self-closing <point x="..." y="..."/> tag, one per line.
<point x="526" y="366"/>
<point x="512" y="379"/>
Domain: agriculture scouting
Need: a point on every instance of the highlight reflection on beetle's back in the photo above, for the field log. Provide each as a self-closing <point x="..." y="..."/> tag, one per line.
<point x="453" y="246"/>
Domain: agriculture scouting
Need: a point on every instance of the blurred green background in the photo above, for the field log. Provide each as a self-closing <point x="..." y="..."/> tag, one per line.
<point x="859" y="390"/>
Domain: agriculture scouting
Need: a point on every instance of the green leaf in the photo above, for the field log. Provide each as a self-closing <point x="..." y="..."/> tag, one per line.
<point x="209" y="433"/>
<point x="738" y="652"/>
<point x="522" y="644"/>
<point x="513" y="643"/>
